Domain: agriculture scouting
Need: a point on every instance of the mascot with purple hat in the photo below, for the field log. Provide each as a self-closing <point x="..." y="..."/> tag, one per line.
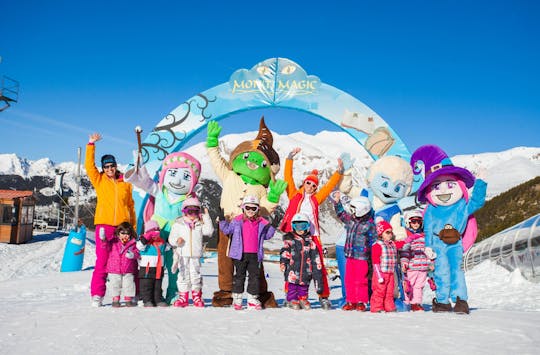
<point x="445" y="190"/>
<point x="178" y="177"/>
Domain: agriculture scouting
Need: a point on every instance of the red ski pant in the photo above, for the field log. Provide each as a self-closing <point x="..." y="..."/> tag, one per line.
<point x="356" y="282"/>
<point x="382" y="298"/>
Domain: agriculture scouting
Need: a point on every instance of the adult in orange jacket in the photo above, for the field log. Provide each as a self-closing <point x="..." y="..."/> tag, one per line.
<point x="306" y="200"/>
<point x="114" y="205"/>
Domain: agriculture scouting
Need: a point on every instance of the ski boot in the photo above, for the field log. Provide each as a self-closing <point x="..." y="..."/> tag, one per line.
<point x="254" y="303"/>
<point x="129" y="301"/>
<point x="116" y="302"/>
<point x="304" y="303"/>
<point x="237" y="301"/>
<point x="182" y="300"/>
<point x="97" y="301"/>
<point x="197" y="298"/>
<point x="325" y="303"/>
<point x="349" y="306"/>
<point x="294" y="304"/>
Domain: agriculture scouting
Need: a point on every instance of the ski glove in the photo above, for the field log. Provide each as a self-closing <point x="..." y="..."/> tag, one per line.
<point x="347" y="161"/>
<point x="213" y="131"/>
<point x="378" y="273"/>
<point x="129" y="254"/>
<point x="276" y="189"/>
<point x="143" y="240"/>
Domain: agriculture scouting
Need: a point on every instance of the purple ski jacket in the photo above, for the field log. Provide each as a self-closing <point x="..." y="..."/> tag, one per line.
<point x="234" y="230"/>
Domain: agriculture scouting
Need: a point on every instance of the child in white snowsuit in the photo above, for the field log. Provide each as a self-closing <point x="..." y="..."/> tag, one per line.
<point x="186" y="238"/>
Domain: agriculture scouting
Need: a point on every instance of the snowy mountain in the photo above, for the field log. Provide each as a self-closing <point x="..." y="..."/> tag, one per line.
<point x="504" y="169"/>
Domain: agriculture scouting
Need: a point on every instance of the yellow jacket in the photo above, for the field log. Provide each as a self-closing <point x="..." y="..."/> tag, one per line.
<point x="114" y="197"/>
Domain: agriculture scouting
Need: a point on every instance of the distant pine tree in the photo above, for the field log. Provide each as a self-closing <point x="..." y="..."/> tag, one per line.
<point x="509" y="208"/>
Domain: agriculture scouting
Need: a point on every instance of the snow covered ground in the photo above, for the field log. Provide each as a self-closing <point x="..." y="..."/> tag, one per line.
<point x="48" y="312"/>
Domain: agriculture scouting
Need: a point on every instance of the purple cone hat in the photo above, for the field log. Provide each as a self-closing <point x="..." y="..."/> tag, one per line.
<point x="436" y="163"/>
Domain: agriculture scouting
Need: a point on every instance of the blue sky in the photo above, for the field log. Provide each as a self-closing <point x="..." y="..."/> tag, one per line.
<point x="460" y="74"/>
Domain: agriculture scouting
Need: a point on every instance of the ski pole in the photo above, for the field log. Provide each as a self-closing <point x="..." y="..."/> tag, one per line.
<point x="138" y="131"/>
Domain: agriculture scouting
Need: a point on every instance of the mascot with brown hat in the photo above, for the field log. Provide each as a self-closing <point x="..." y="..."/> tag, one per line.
<point x="445" y="189"/>
<point x="250" y="170"/>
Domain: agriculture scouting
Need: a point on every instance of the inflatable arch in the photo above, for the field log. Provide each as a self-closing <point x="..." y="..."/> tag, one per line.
<point x="275" y="82"/>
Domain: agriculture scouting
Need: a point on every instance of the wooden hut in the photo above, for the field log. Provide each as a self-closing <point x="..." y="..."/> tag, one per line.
<point x="16" y="216"/>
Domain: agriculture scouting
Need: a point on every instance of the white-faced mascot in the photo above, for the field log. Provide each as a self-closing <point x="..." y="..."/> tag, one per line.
<point x="389" y="180"/>
<point x="178" y="177"/>
<point x="449" y="206"/>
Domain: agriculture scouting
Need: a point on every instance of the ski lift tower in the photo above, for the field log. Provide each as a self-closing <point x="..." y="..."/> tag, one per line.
<point x="9" y="91"/>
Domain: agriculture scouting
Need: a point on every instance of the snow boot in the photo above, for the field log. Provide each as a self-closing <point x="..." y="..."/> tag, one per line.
<point x="116" y="301"/>
<point x="304" y="303"/>
<point x="294" y="304"/>
<point x="461" y="306"/>
<point x="325" y="303"/>
<point x="97" y="301"/>
<point x="437" y="307"/>
<point x="130" y="301"/>
<point x="416" y="307"/>
<point x="254" y="303"/>
<point x="222" y="299"/>
<point x="349" y="306"/>
<point x="360" y="307"/>
<point x="182" y="300"/>
<point x="196" y="296"/>
<point x="237" y="301"/>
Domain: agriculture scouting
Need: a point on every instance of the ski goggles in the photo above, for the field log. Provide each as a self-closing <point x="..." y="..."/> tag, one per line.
<point x="109" y="166"/>
<point x="300" y="226"/>
<point x="251" y="208"/>
<point x="415" y="220"/>
<point x="191" y="211"/>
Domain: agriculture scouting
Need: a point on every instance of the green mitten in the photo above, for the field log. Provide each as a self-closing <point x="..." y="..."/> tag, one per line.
<point x="213" y="130"/>
<point x="276" y="188"/>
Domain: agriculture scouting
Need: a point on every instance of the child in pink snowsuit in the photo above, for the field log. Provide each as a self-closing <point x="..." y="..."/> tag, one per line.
<point x="414" y="262"/>
<point x="122" y="264"/>
<point x="384" y="258"/>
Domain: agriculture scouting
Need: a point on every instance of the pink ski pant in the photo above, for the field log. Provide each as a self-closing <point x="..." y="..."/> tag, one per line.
<point x="99" y="276"/>
<point x="356" y="282"/>
<point x="417" y="280"/>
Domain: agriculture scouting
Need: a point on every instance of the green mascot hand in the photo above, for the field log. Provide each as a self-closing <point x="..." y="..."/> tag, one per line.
<point x="213" y="133"/>
<point x="276" y="188"/>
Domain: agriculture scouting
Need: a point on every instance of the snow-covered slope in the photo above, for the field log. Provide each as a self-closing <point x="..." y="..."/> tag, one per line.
<point x="48" y="312"/>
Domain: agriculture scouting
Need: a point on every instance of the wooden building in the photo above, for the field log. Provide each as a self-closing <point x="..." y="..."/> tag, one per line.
<point x="16" y="216"/>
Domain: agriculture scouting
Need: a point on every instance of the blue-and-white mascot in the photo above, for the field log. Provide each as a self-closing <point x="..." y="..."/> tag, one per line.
<point x="445" y="190"/>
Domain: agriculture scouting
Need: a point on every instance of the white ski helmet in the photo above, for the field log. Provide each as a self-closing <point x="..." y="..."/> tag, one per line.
<point x="360" y="206"/>
<point x="250" y="200"/>
<point x="407" y="215"/>
<point x="298" y="219"/>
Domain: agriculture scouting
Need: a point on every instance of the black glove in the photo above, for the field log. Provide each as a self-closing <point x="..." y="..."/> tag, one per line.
<point x="143" y="240"/>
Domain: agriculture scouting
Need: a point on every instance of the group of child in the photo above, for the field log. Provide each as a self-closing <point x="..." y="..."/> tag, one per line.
<point x="369" y="248"/>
